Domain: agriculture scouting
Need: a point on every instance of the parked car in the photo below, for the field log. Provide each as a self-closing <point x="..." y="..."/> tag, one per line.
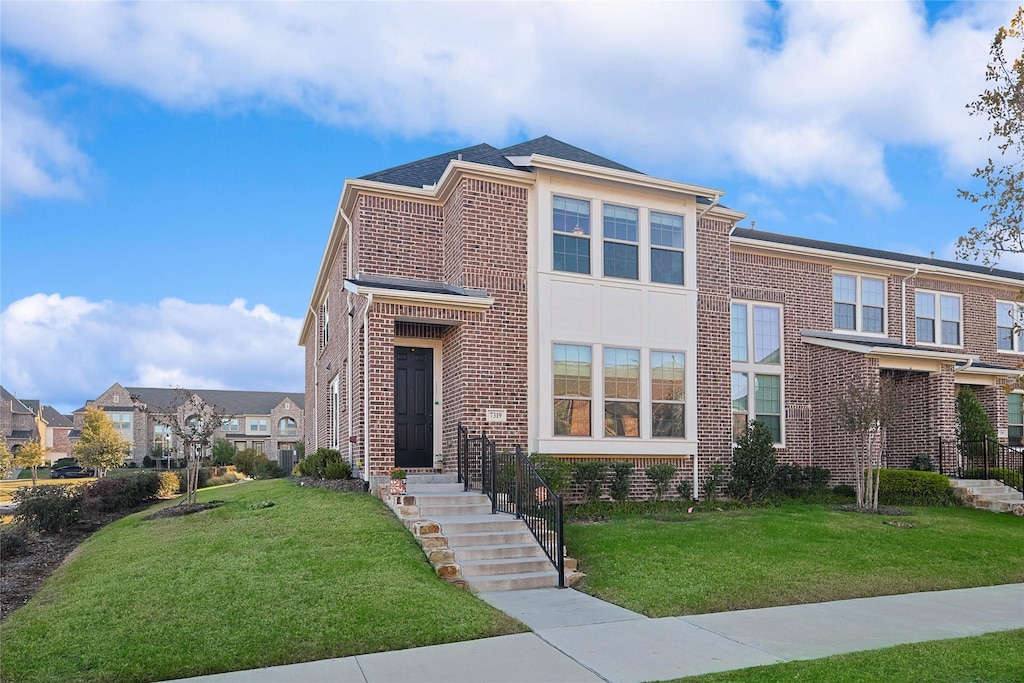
<point x="71" y="472"/>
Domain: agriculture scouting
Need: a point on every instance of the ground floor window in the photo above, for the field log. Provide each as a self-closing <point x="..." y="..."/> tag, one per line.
<point x="668" y="394"/>
<point x="766" y="405"/>
<point x="1015" y="419"/>
<point x="572" y="389"/>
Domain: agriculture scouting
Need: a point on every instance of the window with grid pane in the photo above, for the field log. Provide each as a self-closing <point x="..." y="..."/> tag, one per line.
<point x="621" y="250"/>
<point x="668" y="394"/>
<point x="739" y="331"/>
<point x="938" y="318"/>
<point x="1015" y="419"/>
<point x="757" y="367"/>
<point x="858" y="303"/>
<point x="571" y="224"/>
<point x="740" y="404"/>
<point x="666" y="248"/>
<point x="1009" y="336"/>
<point x="768" y="403"/>
<point x="621" y="392"/>
<point x="572" y="389"/>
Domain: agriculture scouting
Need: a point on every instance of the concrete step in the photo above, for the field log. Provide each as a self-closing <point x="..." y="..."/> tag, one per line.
<point x="469" y="524"/>
<point x="459" y="498"/>
<point x="508" y="565"/>
<point x="489" y="538"/>
<point x="438" y="478"/>
<point x="513" y="582"/>
<point x="414" y="488"/>
<point x="431" y="511"/>
<point x="469" y="553"/>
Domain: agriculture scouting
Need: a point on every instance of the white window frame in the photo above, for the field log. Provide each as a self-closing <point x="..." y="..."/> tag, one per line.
<point x="581" y="235"/>
<point x="1016" y="335"/>
<point x="563" y="397"/>
<point x="652" y="247"/>
<point x="751" y="369"/>
<point x="335" y="419"/>
<point x="651" y="402"/>
<point x="605" y="239"/>
<point x="606" y="399"/>
<point x="1015" y="440"/>
<point x="859" y="305"/>
<point x="938" y="319"/>
<point x="229" y="424"/>
<point x="259" y="425"/>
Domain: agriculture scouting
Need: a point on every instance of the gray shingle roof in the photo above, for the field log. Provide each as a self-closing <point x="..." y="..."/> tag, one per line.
<point x="873" y="253"/>
<point x="56" y="419"/>
<point x="17" y="406"/>
<point x="231" y="402"/>
<point x="428" y="171"/>
<point x="408" y="285"/>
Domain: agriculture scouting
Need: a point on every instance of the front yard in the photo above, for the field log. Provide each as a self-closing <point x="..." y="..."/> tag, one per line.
<point x="677" y="563"/>
<point x="319" y="574"/>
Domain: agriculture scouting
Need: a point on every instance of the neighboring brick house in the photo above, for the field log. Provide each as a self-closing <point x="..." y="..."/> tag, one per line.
<point x="24" y="420"/>
<point x="268" y="421"/>
<point x="59" y="430"/>
<point x="577" y="307"/>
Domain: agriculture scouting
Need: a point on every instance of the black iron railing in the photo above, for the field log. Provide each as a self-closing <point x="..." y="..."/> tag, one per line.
<point x="515" y="487"/>
<point x="989" y="459"/>
<point x="462" y="457"/>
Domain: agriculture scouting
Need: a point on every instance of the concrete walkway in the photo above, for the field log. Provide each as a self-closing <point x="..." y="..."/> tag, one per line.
<point x="580" y="638"/>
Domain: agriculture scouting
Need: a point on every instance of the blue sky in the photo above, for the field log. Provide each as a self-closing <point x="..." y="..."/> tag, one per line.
<point x="169" y="171"/>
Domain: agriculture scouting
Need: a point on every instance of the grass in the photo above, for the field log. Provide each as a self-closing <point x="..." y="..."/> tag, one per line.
<point x="992" y="658"/>
<point x="9" y="486"/>
<point x="675" y="564"/>
<point x="320" y="574"/>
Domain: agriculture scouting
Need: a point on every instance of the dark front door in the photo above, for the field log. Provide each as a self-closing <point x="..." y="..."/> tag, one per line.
<point x="414" y="407"/>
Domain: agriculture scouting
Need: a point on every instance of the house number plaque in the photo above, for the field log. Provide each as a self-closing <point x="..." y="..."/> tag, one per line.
<point x="496" y="415"/>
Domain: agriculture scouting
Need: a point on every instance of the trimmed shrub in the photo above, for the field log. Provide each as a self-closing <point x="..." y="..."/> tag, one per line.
<point x="709" y="489"/>
<point x="102" y="495"/>
<point x="753" y="463"/>
<point x="13" y="540"/>
<point x="590" y="475"/>
<point x="147" y="461"/>
<point x="922" y="463"/>
<point x="338" y="469"/>
<point x="844" y="490"/>
<point x="797" y="482"/>
<point x="555" y="472"/>
<point x="685" y="489"/>
<point x="1009" y="477"/>
<point x="315" y="464"/>
<point x="47" y="509"/>
<point x="622" y="477"/>
<point x="660" y="474"/>
<point x="268" y="469"/>
<point x="912" y="487"/>
<point x="245" y="460"/>
<point x="202" y="481"/>
<point x="168" y="484"/>
<point x="972" y="422"/>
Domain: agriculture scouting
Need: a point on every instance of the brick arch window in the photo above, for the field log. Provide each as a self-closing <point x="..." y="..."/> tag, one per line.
<point x="286" y="426"/>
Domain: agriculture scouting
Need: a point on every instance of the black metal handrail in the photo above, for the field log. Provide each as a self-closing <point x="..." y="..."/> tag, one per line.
<point x="515" y="487"/>
<point x="462" y="457"/>
<point x="994" y="460"/>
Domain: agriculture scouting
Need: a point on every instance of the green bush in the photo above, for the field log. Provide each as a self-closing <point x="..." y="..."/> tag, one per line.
<point x="245" y="460"/>
<point x="685" y="489"/>
<point x="168" y="484"/>
<point x="844" y="490"/>
<point x="913" y="487"/>
<point x="223" y="452"/>
<point x="47" y="509"/>
<point x="139" y="487"/>
<point x="13" y="540"/>
<point x="921" y="462"/>
<point x="972" y="422"/>
<point x="338" y="469"/>
<point x="622" y="477"/>
<point x="709" y="489"/>
<point x="202" y="481"/>
<point x="753" y="463"/>
<point x="64" y="462"/>
<point x="317" y="463"/>
<point x="798" y="482"/>
<point x="147" y="461"/>
<point x="1008" y="477"/>
<point x="660" y="474"/>
<point x="268" y="469"/>
<point x="590" y="475"/>
<point x="555" y="472"/>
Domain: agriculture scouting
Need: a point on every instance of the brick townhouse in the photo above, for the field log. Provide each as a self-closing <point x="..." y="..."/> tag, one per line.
<point x="268" y="421"/>
<point x="577" y="307"/>
<point x="24" y="420"/>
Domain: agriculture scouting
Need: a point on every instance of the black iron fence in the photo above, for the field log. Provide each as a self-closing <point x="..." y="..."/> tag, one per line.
<point x="989" y="459"/>
<point x="462" y="457"/>
<point x="515" y="487"/>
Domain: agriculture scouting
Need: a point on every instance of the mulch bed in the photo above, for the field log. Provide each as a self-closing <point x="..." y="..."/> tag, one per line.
<point x="23" y="575"/>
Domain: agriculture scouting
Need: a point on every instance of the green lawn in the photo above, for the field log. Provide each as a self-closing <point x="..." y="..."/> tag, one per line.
<point x="320" y="574"/>
<point x="674" y="564"/>
<point x="991" y="658"/>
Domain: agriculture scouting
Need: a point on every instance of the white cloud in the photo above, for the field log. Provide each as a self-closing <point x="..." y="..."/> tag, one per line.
<point x="63" y="350"/>
<point x="812" y="93"/>
<point x="38" y="158"/>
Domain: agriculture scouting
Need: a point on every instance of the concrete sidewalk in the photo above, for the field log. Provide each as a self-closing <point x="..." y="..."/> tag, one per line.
<point x="580" y="638"/>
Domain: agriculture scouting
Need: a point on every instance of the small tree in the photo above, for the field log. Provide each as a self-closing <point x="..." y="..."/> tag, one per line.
<point x="972" y="422"/>
<point x="660" y="474"/>
<point x="622" y="477"/>
<point x="192" y="422"/>
<point x="32" y="455"/>
<point x="867" y="410"/>
<point x="223" y="452"/>
<point x="590" y="475"/>
<point x="753" y="463"/>
<point x="100" y="447"/>
<point x="6" y="459"/>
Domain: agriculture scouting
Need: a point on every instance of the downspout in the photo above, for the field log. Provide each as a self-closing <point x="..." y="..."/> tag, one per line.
<point x="903" y="286"/>
<point x="366" y="387"/>
<point x="714" y="203"/>
<point x="316" y="381"/>
<point x="348" y="364"/>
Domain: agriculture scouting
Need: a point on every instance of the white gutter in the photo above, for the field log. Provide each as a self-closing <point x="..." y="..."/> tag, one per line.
<point x="316" y="383"/>
<point x="714" y="203"/>
<point x="366" y="388"/>
<point x="903" y="285"/>
<point x="969" y="363"/>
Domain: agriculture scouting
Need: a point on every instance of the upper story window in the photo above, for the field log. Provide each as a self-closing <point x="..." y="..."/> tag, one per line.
<point x="571" y="225"/>
<point x="122" y="423"/>
<point x="668" y="394"/>
<point x="756" y="328"/>
<point x="621" y="248"/>
<point x="257" y="424"/>
<point x="325" y="320"/>
<point x="286" y="426"/>
<point x="1009" y="334"/>
<point x="572" y="389"/>
<point x="666" y="248"/>
<point x="938" y="318"/>
<point x="621" y="392"/>
<point x="229" y="424"/>
<point x="858" y="303"/>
